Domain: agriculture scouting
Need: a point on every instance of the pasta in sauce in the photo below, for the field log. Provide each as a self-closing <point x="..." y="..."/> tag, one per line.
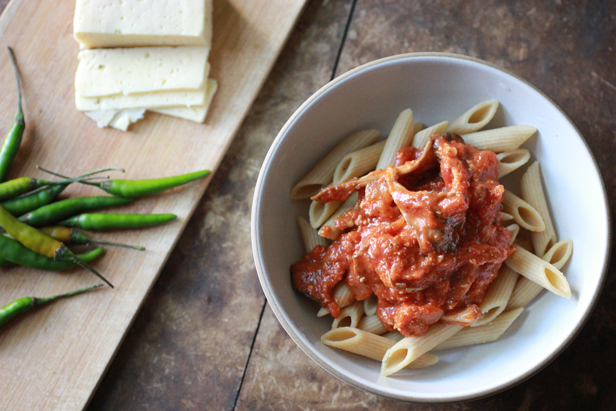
<point x="425" y="237"/>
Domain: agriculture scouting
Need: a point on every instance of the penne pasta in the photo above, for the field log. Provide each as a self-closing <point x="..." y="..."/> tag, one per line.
<point x="525" y="244"/>
<point x="422" y="137"/>
<point x="320" y="212"/>
<point x="506" y="217"/>
<point x="372" y="324"/>
<point x="394" y="336"/>
<point x="349" y="316"/>
<point x="310" y="237"/>
<point x="329" y="230"/>
<point x="539" y="271"/>
<point x="368" y="345"/>
<point x="500" y="139"/>
<point x="401" y="135"/>
<point x="370" y="305"/>
<point x="531" y="190"/>
<point x="523" y="213"/>
<point x="359" y="162"/>
<point x="512" y="160"/>
<point x="475" y="118"/>
<point x="322" y="174"/>
<point x="480" y="335"/>
<point x="559" y="253"/>
<point x="465" y="317"/>
<point x="407" y="350"/>
<point x="374" y="243"/>
<point x="526" y="290"/>
<point x="342" y="296"/>
<point x="515" y="230"/>
<point x="497" y="295"/>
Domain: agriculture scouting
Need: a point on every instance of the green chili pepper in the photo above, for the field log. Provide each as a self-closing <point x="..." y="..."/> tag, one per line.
<point x="5" y="263"/>
<point x="68" y="234"/>
<point x="13" y="253"/>
<point x="41" y="243"/>
<point x="21" y="205"/>
<point x="138" y="188"/>
<point x="13" y="138"/>
<point x="14" y="188"/>
<point x="61" y="210"/>
<point x="26" y="304"/>
<point x="98" y="222"/>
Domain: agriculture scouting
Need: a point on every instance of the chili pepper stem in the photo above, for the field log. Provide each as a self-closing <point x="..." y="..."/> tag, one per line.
<point x="102" y="170"/>
<point x="92" y="270"/>
<point x="19" y="117"/>
<point x="132" y="247"/>
<point x="40" y="301"/>
<point x="63" y="253"/>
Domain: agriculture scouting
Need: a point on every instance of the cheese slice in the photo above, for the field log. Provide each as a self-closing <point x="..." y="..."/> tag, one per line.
<point x="119" y="119"/>
<point x="126" y="23"/>
<point x="102" y="117"/>
<point x="195" y="113"/>
<point x="156" y="99"/>
<point x="125" y="118"/>
<point x="105" y="72"/>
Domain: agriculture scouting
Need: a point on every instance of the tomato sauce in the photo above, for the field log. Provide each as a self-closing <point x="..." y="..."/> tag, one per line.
<point x="427" y="243"/>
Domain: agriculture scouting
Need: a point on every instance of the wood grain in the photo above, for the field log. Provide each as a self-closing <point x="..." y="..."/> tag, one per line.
<point x="54" y="358"/>
<point x="568" y="50"/>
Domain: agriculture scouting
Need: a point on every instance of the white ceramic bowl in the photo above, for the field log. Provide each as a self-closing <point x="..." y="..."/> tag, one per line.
<point x="437" y="87"/>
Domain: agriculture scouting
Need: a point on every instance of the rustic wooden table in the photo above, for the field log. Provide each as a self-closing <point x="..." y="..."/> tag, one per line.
<point x="206" y="339"/>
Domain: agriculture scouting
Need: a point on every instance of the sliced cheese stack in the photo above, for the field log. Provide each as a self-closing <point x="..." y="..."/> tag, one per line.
<point x="134" y="23"/>
<point x="114" y="87"/>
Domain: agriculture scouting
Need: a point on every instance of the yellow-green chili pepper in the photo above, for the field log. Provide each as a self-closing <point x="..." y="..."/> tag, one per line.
<point x="23" y="305"/>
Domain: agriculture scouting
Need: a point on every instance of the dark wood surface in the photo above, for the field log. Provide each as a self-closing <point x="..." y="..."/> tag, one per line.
<point x="205" y="338"/>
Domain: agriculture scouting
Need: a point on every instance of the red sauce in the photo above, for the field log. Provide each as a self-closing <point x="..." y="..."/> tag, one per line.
<point x="427" y="243"/>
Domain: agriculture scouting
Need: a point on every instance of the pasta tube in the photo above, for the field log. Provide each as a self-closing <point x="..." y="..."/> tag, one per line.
<point x="372" y="324"/>
<point x="526" y="290"/>
<point x="323" y="173"/>
<point x="370" y="305"/>
<point x="539" y="271"/>
<point x="329" y="230"/>
<point x="320" y="212"/>
<point x="359" y="162"/>
<point x="342" y="296"/>
<point x="512" y="160"/>
<point x="407" y="350"/>
<point x="368" y="345"/>
<point x="401" y="135"/>
<point x="422" y="137"/>
<point x="476" y="118"/>
<point x="497" y="295"/>
<point x="481" y="335"/>
<point x="531" y="190"/>
<point x="310" y="236"/>
<point x="500" y="139"/>
<point x="523" y="213"/>
<point x="349" y="316"/>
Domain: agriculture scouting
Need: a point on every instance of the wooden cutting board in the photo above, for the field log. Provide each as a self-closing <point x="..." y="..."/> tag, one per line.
<point x="54" y="357"/>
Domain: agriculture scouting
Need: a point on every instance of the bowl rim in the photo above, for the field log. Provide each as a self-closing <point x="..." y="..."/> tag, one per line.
<point x="289" y="328"/>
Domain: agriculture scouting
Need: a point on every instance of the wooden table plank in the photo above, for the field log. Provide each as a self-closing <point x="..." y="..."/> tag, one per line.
<point x="188" y="347"/>
<point x="569" y="50"/>
<point x="54" y="358"/>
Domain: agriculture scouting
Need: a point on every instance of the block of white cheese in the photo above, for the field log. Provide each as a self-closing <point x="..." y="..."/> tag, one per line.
<point x="153" y="99"/>
<point x="195" y="113"/>
<point x="130" y="23"/>
<point x="105" y="72"/>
